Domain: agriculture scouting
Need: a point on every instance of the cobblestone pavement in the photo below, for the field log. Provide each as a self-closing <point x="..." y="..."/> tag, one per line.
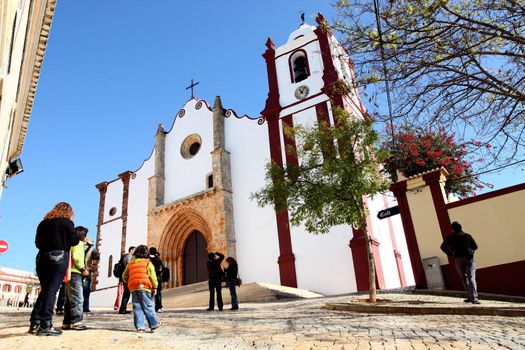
<point x="300" y="324"/>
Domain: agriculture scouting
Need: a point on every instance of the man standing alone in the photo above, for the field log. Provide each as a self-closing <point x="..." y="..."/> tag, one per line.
<point x="461" y="247"/>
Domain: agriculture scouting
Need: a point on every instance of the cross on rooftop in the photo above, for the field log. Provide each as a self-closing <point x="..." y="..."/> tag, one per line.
<point x="191" y="87"/>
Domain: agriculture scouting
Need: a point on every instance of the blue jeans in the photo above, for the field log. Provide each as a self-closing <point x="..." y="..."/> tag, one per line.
<point x="86" y="291"/>
<point x="73" y="308"/>
<point x="143" y="306"/>
<point x="466" y="269"/>
<point x="230" y="282"/>
<point x="51" y="268"/>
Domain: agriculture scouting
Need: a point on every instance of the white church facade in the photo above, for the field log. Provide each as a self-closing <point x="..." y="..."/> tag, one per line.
<point x="192" y="195"/>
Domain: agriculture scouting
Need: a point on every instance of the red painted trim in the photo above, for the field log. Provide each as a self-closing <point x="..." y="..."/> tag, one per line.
<point x="397" y="254"/>
<point x="432" y="180"/>
<point x="399" y="190"/>
<point x="493" y="194"/>
<point x="125" y="176"/>
<point x="290" y="65"/>
<point x="102" y="189"/>
<point x="380" y="275"/>
<point x="359" y="257"/>
<point x="329" y="71"/>
<point x="298" y="47"/>
<point x="499" y="279"/>
<point x="286" y="259"/>
<point x="290" y="146"/>
<point x="272" y="107"/>
<point x="323" y="116"/>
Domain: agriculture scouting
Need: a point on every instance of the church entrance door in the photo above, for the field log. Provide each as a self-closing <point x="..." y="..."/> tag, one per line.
<point x="195" y="257"/>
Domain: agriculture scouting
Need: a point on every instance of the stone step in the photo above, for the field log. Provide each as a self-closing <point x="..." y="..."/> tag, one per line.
<point x="197" y="295"/>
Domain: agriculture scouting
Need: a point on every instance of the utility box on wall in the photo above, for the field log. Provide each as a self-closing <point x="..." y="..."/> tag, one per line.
<point x="433" y="273"/>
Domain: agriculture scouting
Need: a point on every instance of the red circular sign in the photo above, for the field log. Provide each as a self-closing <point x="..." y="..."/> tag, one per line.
<point x="3" y="246"/>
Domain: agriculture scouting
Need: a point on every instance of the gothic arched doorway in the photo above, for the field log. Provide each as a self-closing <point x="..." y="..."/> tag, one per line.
<point x="195" y="257"/>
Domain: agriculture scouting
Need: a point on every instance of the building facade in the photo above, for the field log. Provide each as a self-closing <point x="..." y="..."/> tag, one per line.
<point x="15" y="284"/>
<point x="192" y="195"/>
<point x="24" y="31"/>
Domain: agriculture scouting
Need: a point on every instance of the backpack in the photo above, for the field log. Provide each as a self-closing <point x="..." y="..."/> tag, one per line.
<point x="165" y="274"/>
<point x="118" y="269"/>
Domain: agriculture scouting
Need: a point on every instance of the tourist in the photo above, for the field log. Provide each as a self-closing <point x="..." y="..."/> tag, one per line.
<point x="154" y="257"/>
<point x="461" y="247"/>
<point x="215" y="279"/>
<point x="122" y="291"/>
<point x="26" y="300"/>
<point x="231" y="276"/>
<point x="73" y="307"/>
<point x="142" y="282"/>
<point x="55" y="235"/>
<point x="92" y="257"/>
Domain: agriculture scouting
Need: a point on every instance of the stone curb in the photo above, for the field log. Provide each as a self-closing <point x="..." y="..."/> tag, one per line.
<point x="422" y="310"/>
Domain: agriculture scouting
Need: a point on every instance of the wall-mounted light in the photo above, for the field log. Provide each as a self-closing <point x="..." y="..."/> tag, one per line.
<point x="15" y="167"/>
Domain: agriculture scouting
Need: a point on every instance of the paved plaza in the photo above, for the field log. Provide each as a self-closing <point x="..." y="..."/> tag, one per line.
<point x="301" y="324"/>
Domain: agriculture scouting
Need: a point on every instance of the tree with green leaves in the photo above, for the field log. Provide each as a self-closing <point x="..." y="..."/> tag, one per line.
<point x="458" y="64"/>
<point x="337" y="167"/>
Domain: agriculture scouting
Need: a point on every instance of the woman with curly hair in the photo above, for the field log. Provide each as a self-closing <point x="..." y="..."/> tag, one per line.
<point x="55" y="235"/>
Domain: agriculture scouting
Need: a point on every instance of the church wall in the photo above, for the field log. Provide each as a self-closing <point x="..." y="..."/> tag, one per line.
<point x="113" y="200"/>
<point x="381" y="231"/>
<point x="313" y="253"/>
<point x="137" y="228"/>
<point x="185" y="177"/>
<point x="255" y="228"/>
<point x="314" y="81"/>
<point x="111" y="234"/>
<point x="403" y="249"/>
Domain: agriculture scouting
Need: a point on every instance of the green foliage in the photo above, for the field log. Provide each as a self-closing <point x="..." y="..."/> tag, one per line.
<point x="337" y="167"/>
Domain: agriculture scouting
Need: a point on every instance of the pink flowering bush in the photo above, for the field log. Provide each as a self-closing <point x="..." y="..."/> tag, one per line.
<point x="416" y="150"/>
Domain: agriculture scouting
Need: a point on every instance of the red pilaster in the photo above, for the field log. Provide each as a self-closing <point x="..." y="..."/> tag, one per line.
<point x="271" y="112"/>
<point x="359" y="257"/>
<point x="125" y="177"/>
<point x="289" y="141"/>
<point x="399" y="190"/>
<point x="432" y="180"/>
<point x="102" y="189"/>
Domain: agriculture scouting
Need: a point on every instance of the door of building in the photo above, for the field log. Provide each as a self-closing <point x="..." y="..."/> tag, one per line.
<point x="195" y="257"/>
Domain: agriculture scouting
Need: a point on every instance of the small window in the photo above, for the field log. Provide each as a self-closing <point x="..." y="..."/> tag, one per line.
<point x="210" y="181"/>
<point x="299" y="69"/>
<point x="6" y="288"/>
<point x="112" y="211"/>
<point x="18" y="289"/>
<point x="110" y="266"/>
<point x="190" y="146"/>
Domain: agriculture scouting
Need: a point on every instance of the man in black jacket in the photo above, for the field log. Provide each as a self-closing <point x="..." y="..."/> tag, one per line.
<point x="461" y="247"/>
<point x="215" y="279"/>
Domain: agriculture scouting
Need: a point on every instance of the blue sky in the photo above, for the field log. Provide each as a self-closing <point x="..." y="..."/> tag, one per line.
<point x="113" y="71"/>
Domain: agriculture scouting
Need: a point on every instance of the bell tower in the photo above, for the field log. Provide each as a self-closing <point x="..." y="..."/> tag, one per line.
<point x="307" y="76"/>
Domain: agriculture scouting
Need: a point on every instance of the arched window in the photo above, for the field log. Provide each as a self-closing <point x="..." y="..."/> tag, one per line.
<point x="299" y="69"/>
<point x="110" y="265"/>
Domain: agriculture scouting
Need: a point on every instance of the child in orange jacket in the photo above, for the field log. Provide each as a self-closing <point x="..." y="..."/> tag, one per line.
<point x="142" y="283"/>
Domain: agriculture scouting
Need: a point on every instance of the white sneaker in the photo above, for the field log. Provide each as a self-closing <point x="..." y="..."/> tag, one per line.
<point x="160" y="311"/>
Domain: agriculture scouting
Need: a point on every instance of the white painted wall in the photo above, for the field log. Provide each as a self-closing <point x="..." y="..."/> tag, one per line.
<point x="111" y="234"/>
<point x="185" y="177"/>
<point x="137" y="227"/>
<point x="113" y="199"/>
<point x="314" y="81"/>
<point x="257" y="245"/>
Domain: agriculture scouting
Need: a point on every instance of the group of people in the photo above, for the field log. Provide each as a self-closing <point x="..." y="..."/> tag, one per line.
<point x="61" y="260"/>
<point x="216" y="276"/>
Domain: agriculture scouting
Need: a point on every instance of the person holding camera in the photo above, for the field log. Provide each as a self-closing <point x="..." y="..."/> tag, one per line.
<point x="215" y="279"/>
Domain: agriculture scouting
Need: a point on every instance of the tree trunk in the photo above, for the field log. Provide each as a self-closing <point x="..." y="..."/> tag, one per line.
<point x="371" y="267"/>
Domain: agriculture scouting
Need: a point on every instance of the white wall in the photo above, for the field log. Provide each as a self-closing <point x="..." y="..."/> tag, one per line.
<point x="314" y="81"/>
<point x="185" y="177"/>
<point x="111" y="234"/>
<point x="113" y="199"/>
<point x="255" y="228"/>
<point x="137" y="226"/>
